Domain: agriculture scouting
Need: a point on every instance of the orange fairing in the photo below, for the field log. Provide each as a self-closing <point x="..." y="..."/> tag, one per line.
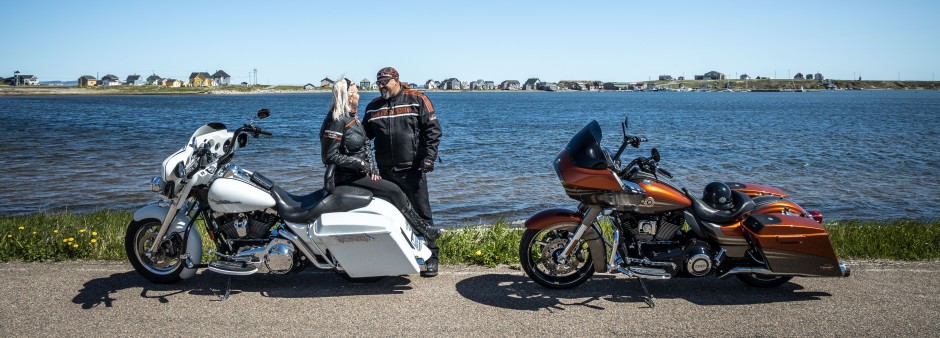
<point x="584" y="178"/>
<point x="664" y="194"/>
<point x="753" y="190"/>
<point x="552" y="216"/>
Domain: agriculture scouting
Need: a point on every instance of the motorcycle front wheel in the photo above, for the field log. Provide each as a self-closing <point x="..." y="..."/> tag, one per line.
<point x="163" y="266"/>
<point x="539" y="255"/>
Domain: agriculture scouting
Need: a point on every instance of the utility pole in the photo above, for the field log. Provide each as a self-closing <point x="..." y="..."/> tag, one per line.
<point x="255" y="70"/>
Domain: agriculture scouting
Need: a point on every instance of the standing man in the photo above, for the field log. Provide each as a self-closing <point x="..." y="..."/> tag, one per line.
<point x="406" y="133"/>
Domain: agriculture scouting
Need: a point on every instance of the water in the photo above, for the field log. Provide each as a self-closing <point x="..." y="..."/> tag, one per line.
<point x="850" y="154"/>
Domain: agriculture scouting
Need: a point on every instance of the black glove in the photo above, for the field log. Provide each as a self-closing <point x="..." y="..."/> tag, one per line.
<point x="427" y="166"/>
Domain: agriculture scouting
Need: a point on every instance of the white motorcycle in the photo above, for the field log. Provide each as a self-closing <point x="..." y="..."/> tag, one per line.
<point x="256" y="226"/>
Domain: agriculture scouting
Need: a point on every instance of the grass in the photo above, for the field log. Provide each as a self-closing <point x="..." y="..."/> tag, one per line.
<point x="99" y="235"/>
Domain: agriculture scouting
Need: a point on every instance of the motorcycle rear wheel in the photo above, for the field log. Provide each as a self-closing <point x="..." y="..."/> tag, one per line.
<point x="763" y="281"/>
<point x="537" y="251"/>
<point x="164" y="265"/>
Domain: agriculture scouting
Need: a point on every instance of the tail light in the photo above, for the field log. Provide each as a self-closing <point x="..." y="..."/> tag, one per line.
<point x="816" y="215"/>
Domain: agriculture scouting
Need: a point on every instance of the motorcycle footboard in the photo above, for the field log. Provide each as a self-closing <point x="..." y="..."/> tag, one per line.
<point x="793" y="245"/>
<point x="367" y="245"/>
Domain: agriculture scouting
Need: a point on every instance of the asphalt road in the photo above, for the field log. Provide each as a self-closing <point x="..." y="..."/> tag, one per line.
<point x="106" y="299"/>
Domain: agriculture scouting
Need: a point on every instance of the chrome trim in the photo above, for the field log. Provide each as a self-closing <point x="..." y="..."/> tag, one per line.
<point x="306" y="250"/>
<point x="614" y="252"/>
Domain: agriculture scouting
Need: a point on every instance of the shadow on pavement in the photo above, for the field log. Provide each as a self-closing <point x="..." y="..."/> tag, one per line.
<point x="521" y="293"/>
<point x="306" y="284"/>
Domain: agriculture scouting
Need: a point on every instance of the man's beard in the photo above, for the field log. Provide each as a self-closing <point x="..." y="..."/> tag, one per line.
<point x="386" y="93"/>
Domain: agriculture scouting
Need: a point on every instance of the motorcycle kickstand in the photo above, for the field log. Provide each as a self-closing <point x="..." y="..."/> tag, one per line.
<point x="228" y="289"/>
<point x="649" y="297"/>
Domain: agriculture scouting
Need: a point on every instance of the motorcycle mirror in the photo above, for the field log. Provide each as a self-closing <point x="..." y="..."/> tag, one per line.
<point x="264" y="113"/>
<point x="655" y="154"/>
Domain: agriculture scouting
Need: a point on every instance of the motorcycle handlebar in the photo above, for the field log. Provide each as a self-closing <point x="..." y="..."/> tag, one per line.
<point x="664" y="172"/>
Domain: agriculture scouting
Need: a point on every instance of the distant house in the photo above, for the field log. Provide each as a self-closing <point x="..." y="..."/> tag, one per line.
<point x="681" y="78"/>
<point x="153" y="79"/>
<point x="431" y="84"/>
<point x="809" y="76"/>
<point x="365" y="84"/>
<point x="326" y="82"/>
<point x="173" y="83"/>
<point x="665" y="78"/>
<point x="451" y="83"/>
<point x="798" y="76"/>
<point x="477" y="85"/>
<point x="547" y="86"/>
<point x="221" y="78"/>
<point x="510" y="85"/>
<point x="110" y="80"/>
<point x="819" y="77"/>
<point x="87" y="81"/>
<point x="309" y="86"/>
<point x="134" y="80"/>
<point x="616" y="86"/>
<point x="531" y="84"/>
<point x="713" y="75"/>
<point x="200" y="79"/>
<point x="21" y="80"/>
<point x="745" y="77"/>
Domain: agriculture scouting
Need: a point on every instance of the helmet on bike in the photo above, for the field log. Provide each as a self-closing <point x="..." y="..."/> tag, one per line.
<point x="718" y="196"/>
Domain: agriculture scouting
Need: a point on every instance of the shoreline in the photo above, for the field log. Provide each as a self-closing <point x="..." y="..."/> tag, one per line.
<point x="698" y="85"/>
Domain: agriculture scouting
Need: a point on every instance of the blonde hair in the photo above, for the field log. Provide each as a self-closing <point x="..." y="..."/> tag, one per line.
<point x="340" y="105"/>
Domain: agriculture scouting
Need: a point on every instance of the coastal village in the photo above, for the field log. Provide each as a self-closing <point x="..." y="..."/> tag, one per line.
<point x="709" y="81"/>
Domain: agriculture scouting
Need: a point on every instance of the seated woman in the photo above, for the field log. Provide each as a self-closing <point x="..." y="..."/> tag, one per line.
<point x="344" y="143"/>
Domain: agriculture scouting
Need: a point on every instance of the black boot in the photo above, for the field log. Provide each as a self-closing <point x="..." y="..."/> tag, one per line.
<point x="430" y="266"/>
<point x="429" y="231"/>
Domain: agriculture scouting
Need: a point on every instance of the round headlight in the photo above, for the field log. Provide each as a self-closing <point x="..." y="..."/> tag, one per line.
<point x="157" y="184"/>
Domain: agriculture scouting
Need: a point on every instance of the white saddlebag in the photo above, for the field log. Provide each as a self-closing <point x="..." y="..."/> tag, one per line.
<point x="368" y="245"/>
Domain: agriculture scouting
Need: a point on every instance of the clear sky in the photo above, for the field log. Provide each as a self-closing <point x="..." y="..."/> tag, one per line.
<point x="298" y="42"/>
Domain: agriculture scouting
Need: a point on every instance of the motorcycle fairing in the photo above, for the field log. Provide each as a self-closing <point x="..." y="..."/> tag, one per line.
<point x="193" y="245"/>
<point x="793" y="245"/>
<point x="591" y="235"/>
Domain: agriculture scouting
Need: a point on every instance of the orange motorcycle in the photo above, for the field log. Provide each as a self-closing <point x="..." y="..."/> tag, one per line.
<point x="659" y="230"/>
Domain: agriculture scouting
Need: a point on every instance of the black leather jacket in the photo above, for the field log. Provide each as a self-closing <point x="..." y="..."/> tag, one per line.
<point x="405" y="129"/>
<point x="344" y="143"/>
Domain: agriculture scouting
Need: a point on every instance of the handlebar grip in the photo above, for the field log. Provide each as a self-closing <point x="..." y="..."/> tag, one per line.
<point x="263" y="132"/>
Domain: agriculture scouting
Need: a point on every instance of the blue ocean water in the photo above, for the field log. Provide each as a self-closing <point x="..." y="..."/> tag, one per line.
<point x="850" y="154"/>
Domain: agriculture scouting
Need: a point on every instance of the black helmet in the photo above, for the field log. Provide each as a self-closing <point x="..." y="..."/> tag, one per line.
<point x="718" y="196"/>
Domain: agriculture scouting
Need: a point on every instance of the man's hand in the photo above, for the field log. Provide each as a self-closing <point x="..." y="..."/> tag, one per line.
<point x="427" y="166"/>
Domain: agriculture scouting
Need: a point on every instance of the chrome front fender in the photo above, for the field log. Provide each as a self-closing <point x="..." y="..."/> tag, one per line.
<point x="194" y="241"/>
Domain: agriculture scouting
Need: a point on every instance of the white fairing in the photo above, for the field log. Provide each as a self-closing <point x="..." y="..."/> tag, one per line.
<point x="371" y="241"/>
<point x="234" y="195"/>
<point x="215" y="135"/>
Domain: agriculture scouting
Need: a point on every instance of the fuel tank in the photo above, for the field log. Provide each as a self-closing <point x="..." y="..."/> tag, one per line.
<point x="660" y="198"/>
<point x="235" y="195"/>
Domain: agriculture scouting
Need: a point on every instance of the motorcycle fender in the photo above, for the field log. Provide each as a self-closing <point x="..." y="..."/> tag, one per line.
<point x="596" y="247"/>
<point x="194" y="241"/>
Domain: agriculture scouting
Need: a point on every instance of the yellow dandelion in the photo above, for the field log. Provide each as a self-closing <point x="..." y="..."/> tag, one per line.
<point x="8" y="235"/>
<point x="71" y="239"/>
<point x="34" y="232"/>
<point x="94" y="233"/>
<point x="497" y="257"/>
<point x="22" y="228"/>
<point x="81" y="231"/>
<point x="65" y="240"/>
<point x="479" y="252"/>
<point x="93" y="240"/>
<point x="75" y="246"/>
<point x="55" y="231"/>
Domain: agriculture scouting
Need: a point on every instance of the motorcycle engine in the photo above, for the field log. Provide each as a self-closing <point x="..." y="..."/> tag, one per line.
<point x="654" y="227"/>
<point x="255" y="225"/>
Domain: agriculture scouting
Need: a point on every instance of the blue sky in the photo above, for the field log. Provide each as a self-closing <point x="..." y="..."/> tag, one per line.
<point x="298" y="42"/>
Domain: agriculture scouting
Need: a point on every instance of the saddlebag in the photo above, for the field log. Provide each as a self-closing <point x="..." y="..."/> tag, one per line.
<point x="368" y="245"/>
<point x="793" y="245"/>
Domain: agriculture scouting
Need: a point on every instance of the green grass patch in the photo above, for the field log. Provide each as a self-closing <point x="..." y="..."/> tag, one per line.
<point x="58" y="236"/>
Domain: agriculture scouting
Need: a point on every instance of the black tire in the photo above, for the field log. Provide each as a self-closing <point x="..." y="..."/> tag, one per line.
<point x="359" y="280"/>
<point x="763" y="281"/>
<point x="164" y="266"/>
<point x="536" y="255"/>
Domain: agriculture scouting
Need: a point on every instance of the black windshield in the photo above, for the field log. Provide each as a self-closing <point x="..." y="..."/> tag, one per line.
<point x="585" y="148"/>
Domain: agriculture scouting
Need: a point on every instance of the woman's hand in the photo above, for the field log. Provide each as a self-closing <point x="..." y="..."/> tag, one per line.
<point x="375" y="177"/>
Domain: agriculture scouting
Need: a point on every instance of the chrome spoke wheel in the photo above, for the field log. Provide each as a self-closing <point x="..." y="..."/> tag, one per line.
<point x="542" y="258"/>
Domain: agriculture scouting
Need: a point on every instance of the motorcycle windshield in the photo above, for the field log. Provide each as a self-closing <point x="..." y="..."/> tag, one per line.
<point x="209" y="128"/>
<point x="585" y="148"/>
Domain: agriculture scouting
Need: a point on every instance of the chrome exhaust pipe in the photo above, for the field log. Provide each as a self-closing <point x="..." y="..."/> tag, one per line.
<point x="844" y="269"/>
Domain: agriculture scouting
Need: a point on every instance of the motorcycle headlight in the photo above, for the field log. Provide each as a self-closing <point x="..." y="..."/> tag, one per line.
<point x="157" y="184"/>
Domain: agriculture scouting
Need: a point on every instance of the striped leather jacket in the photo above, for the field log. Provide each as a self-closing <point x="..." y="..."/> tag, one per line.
<point x="405" y="129"/>
<point x="344" y="143"/>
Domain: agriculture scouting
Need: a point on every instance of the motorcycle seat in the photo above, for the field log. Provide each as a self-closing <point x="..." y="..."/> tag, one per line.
<point x="307" y="208"/>
<point x="742" y="206"/>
